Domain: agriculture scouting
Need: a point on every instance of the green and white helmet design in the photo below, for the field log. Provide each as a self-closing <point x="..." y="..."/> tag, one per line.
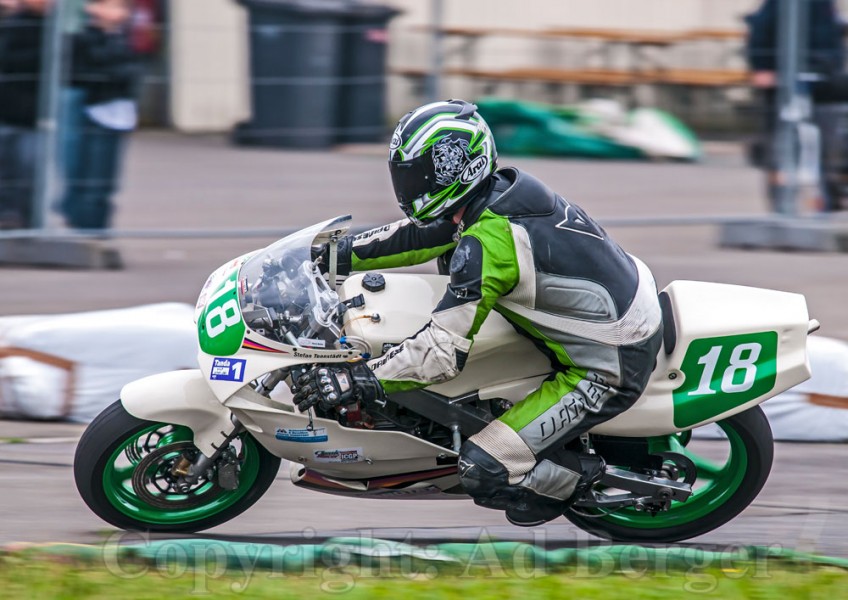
<point x="439" y="156"/>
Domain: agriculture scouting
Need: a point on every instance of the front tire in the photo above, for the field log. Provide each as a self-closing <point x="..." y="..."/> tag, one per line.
<point x="721" y="492"/>
<point x="121" y="471"/>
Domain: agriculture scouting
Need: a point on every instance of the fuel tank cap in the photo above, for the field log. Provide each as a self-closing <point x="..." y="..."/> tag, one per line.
<point x="374" y="282"/>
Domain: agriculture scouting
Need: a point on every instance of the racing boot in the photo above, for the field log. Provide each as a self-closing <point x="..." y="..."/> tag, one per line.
<point x="550" y="489"/>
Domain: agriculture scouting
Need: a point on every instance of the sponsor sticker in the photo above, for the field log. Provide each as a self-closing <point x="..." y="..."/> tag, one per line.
<point x="342" y="455"/>
<point x="474" y="168"/>
<point x="228" y="369"/>
<point x="305" y="436"/>
<point x="311" y="342"/>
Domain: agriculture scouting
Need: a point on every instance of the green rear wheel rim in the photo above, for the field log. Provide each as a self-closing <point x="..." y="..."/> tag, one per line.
<point x="118" y="473"/>
<point x="715" y="485"/>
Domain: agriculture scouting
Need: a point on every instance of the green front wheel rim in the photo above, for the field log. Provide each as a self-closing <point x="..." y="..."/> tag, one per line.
<point x="119" y="467"/>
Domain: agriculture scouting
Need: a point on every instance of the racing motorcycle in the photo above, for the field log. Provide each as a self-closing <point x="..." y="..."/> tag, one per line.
<point x="187" y="450"/>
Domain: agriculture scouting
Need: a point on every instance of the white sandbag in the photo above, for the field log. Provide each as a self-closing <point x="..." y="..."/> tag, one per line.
<point x="33" y="389"/>
<point x="97" y="352"/>
<point x="792" y="414"/>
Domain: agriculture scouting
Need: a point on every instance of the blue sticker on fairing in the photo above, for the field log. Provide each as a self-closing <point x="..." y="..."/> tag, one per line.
<point x="228" y="369"/>
<point x="302" y="435"/>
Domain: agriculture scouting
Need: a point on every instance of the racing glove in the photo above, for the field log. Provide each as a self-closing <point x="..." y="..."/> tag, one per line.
<point x="328" y="386"/>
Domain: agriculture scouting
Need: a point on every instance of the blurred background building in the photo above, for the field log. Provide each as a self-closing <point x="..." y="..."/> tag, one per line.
<point x="540" y="50"/>
<point x="598" y="79"/>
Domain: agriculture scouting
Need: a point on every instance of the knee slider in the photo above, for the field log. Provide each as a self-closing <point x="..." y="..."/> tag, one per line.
<point x="480" y="474"/>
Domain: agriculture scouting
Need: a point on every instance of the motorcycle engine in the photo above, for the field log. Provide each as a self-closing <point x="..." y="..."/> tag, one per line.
<point x="352" y="415"/>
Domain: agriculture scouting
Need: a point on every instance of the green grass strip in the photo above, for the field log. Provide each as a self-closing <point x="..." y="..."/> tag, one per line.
<point x="355" y="551"/>
<point x="29" y="577"/>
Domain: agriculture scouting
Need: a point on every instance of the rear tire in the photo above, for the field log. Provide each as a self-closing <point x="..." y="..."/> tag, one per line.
<point x="735" y="486"/>
<point x="113" y="449"/>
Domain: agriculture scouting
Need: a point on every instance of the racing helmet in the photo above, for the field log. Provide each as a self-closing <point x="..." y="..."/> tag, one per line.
<point x="439" y="157"/>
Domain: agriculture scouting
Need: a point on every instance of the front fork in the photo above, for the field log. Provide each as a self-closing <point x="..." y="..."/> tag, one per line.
<point x="223" y="462"/>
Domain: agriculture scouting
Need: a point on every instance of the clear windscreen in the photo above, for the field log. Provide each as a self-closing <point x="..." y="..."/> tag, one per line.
<point x="285" y="298"/>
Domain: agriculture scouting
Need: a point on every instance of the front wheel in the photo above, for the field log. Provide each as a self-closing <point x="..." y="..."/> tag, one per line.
<point x="724" y="487"/>
<point x="122" y="469"/>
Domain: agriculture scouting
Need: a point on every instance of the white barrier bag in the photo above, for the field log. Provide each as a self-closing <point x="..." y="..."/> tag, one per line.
<point x="74" y="365"/>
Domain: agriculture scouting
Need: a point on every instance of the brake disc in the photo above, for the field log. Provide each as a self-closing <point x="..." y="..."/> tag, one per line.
<point x="154" y="483"/>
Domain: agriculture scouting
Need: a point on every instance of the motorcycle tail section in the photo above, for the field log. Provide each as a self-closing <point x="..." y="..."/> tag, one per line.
<point x="726" y="348"/>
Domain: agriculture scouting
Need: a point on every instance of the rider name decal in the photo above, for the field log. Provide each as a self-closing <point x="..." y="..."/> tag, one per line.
<point x="308" y="436"/>
<point x="345" y="455"/>
<point x="227" y="369"/>
<point x="297" y="353"/>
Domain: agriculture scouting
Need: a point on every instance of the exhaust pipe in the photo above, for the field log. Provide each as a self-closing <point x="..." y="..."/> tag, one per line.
<point x="403" y="486"/>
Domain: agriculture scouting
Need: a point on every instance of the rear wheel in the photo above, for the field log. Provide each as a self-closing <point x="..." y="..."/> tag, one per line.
<point x="122" y="469"/>
<point x="722" y="490"/>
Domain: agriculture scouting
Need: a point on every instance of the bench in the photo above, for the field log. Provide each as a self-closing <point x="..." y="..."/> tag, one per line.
<point x="641" y="70"/>
<point x="717" y="78"/>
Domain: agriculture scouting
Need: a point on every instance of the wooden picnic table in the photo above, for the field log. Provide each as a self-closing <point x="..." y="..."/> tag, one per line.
<point x="622" y="36"/>
<point x="641" y="67"/>
<point x="648" y="37"/>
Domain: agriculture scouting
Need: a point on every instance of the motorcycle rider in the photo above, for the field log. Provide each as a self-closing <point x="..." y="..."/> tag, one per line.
<point x="541" y="262"/>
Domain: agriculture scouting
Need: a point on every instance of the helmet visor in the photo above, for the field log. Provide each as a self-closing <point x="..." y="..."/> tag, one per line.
<point x="412" y="179"/>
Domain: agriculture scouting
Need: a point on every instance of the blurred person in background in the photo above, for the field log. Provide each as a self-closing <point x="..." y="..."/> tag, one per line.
<point x="823" y="57"/>
<point x="21" y="28"/>
<point x="104" y="74"/>
<point x="7" y="7"/>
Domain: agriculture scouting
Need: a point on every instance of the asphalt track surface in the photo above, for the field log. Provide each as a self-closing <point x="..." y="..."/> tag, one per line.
<point x="201" y="182"/>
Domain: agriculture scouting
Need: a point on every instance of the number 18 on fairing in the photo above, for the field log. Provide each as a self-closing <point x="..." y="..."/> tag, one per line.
<point x="731" y="369"/>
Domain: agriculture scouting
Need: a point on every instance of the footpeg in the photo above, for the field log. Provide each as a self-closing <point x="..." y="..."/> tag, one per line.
<point x="641" y="492"/>
<point x="644" y="485"/>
